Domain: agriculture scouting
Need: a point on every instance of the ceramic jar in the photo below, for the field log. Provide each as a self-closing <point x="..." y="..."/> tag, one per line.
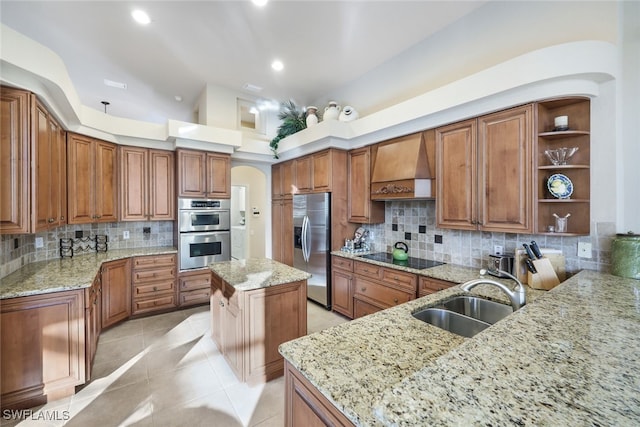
<point x="312" y="117"/>
<point x="332" y="111"/>
<point x="348" y="114"/>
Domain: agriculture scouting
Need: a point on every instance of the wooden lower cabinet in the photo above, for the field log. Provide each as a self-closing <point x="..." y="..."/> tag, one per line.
<point x="154" y="283"/>
<point x="43" y="348"/>
<point x="428" y="285"/>
<point x="248" y="326"/>
<point x="306" y="406"/>
<point x="194" y="287"/>
<point x="116" y="291"/>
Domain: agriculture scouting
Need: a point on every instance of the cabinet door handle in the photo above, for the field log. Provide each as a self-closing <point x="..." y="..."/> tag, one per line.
<point x="395" y="300"/>
<point x="221" y="304"/>
<point x="62" y="218"/>
<point x="396" y="277"/>
<point x="51" y="220"/>
<point x="155" y="288"/>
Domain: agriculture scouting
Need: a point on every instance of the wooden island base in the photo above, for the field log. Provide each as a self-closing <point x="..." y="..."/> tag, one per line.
<point x="249" y="325"/>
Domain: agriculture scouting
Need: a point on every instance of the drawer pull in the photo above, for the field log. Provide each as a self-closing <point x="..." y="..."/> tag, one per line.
<point x="363" y="289"/>
<point x="155" y="288"/>
<point x="396" y="277"/>
<point x="395" y="300"/>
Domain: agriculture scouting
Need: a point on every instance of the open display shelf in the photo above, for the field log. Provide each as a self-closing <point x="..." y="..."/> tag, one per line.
<point x="577" y="168"/>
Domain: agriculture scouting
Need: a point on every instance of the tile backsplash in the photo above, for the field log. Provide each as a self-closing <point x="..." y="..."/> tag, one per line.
<point x="19" y="250"/>
<point x="414" y="222"/>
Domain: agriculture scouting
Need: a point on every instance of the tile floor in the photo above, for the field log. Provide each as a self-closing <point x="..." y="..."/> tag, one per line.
<point x="165" y="370"/>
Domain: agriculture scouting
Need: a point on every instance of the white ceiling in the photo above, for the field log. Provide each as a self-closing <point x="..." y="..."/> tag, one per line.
<point x="323" y="44"/>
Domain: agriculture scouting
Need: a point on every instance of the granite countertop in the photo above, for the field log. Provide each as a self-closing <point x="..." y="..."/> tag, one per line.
<point x="256" y="273"/>
<point x="67" y="273"/>
<point x="570" y="357"/>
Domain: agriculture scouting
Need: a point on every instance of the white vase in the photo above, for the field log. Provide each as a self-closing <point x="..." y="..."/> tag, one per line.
<point x="332" y="111"/>
<point x="348" y="114"/>
<point x="312" y="118"/>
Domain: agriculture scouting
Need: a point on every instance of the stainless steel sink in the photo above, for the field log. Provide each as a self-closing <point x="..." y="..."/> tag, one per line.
<point x="464" y="315"/>
<point x="451" y="321"/>
<point x="478" y="308"/>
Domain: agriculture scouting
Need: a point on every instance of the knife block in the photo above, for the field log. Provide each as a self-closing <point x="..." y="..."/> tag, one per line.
<point x="553" y="255"/>
<point x="546" y="277"/>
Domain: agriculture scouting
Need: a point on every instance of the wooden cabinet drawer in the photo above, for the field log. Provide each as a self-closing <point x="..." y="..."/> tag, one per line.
<point x="199" y="296"/>
<point x="154" y="261"/>
<point x="161" y="273"/>
<point x="366" y="269"/>
<point x="193" y="282"/>
<point x="342" y="263"/>
<point x="151" y="288"/>
<point x="361" y="308"/>
<point x="400" y="279"/>
<point x="153" y="304"/>
<point x="429" y="285"/>
<point x="387" y="296"/>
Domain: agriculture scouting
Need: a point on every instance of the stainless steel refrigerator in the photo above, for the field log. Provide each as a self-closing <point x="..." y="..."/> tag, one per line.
<point x="312" y="243"/>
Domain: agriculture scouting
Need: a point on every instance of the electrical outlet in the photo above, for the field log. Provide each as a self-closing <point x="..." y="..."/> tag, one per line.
<point x="125" y="234"/>
<point x="497" y="249"/>
<point x="584" y="250"/>
<point x="39" y="242"/>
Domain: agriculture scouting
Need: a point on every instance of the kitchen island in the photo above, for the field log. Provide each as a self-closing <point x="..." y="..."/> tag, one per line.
<point x="568" y="358"/>
<point x="256" y="305"/>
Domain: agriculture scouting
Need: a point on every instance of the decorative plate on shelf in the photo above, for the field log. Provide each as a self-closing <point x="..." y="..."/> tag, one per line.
<point x="560" y="186"/>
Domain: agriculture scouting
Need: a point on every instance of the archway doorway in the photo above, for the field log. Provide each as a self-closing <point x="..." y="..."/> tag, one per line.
<point x="249" y="217"/>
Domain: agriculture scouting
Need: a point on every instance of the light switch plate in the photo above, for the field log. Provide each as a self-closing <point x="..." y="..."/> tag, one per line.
<point x="584" y="250"/>
<point x="39" y="242"/>
<point x="125" y="234"/>
<point x="497" y="249"/>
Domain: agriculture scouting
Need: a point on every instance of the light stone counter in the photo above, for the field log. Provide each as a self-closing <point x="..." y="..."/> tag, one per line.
<point x="571" y="357"/>
<point x="256" y="273"/>
<point x="66" y="274"/>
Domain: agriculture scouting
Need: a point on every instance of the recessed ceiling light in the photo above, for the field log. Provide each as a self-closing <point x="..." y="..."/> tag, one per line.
<point x="178" y="98"/>
<point x="277" y="65"/>
<point x="141" y="17"/>
<point x="259" y="2"/>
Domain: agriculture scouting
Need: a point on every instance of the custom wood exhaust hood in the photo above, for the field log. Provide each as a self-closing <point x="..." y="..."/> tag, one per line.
<point x="404" y="168"/>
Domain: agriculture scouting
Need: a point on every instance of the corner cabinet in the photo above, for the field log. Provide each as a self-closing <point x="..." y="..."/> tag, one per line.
<point x="484" y="173"/>
<point x="42" y="348"/>
<point x="33" y="192"/>
<point x="203" y="174"/>
<point x="92" y="180"/>
<point x="577" y="168"/>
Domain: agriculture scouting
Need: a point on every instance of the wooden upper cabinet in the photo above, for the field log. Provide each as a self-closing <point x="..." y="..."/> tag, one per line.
<point x="191" y="173"/>
<point x="202" y="174"/>
<point x="218" y="176"/>
<point x="303" y="174"/>
<point x="276" y="181"/>
<point x="484" y="169"/>
<point x="505" y="141"/>
<point x="288" y="178"/>
<point x="360" y="207"/>
<point x="146" y="184"/>
<point x="162" y="195"/>
<point x="33" y="162"/>
<point x="92" y="180"/>
<point x="456" y="183"/>
<point x="322" y="171"/>
<point x="49" y="174"/>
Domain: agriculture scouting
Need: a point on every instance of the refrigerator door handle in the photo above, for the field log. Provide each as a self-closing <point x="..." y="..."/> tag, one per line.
<point x="304" y="238"/>
<point x="307" y="240"/>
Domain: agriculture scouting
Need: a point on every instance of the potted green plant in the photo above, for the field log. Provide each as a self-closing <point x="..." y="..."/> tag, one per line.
<point x="293" y="120"/>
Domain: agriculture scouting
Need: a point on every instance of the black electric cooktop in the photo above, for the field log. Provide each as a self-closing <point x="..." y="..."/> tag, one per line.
<point x="417" y="263"/>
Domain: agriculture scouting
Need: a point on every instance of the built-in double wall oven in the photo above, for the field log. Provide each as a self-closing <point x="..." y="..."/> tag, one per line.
<point x="203" y="228"/>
